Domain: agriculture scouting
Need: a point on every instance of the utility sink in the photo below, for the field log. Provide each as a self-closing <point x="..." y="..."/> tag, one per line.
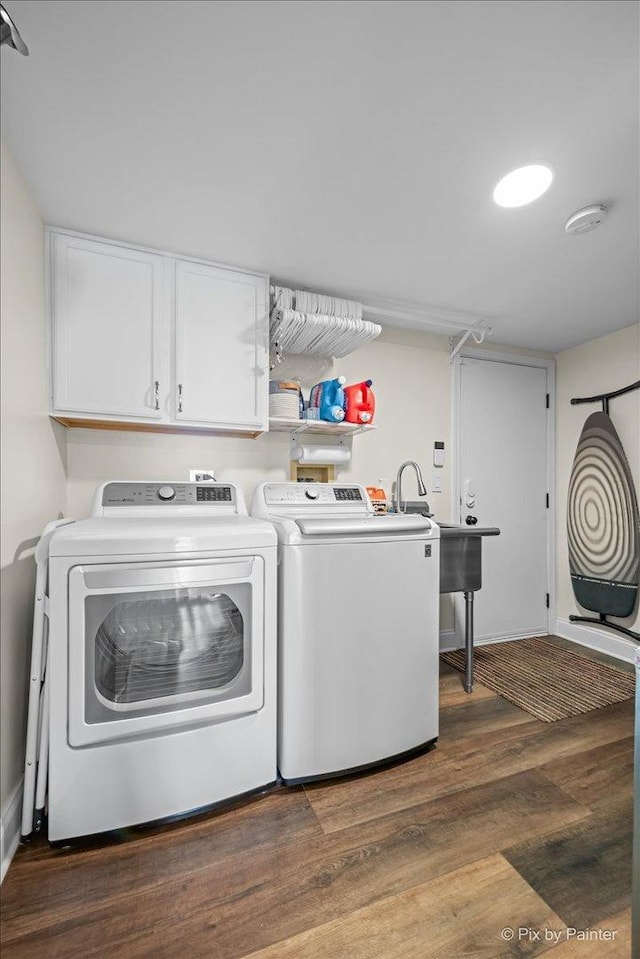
<point x="460" y="570"/>
<point x="460" y="561"/>
<point x="460" y="551"/>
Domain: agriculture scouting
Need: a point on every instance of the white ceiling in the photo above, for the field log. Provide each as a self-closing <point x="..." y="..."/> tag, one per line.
<point x="349" y="146"/>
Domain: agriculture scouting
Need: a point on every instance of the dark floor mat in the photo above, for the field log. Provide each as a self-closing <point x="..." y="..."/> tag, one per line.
<point x="547" y="681"/>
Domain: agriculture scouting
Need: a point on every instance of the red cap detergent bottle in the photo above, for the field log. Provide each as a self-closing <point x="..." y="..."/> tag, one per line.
<point x="360" y="403"/>
<point x="328" y="399"/>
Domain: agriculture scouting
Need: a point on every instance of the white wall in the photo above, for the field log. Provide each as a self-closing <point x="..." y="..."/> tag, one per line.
<point x="598" y="366"/>
<point x="32" y="462"/>
<point x="410" y="373"/>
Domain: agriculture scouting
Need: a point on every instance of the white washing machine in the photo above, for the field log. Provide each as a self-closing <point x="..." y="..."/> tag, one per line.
<point x="358" y="637"/>
<point x="162" y="656"/>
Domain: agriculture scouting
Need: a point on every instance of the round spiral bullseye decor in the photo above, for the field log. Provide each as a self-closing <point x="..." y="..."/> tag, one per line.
<point x="603" y="525"/>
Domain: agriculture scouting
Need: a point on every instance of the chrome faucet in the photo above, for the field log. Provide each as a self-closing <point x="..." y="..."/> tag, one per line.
<point x="421" y="487"/>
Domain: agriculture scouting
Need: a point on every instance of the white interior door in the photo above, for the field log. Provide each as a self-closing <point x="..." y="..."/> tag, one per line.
<point x="503" y="481"/>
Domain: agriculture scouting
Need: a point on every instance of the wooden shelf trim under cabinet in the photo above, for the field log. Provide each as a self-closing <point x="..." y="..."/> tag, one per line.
<point x="276" y="425"/>
<point x="75" y="423"/>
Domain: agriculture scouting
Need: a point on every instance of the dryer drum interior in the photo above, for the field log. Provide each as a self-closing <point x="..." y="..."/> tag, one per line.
<point x="156" y="647"/>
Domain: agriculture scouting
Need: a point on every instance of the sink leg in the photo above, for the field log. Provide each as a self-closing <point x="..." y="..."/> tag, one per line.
<point x="468" y="641"/>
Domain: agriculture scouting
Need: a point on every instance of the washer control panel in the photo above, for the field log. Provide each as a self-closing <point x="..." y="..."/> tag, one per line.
<point x="325" y="495"/>
<point x="165" y="494"/>
<point x="350" y="493"/>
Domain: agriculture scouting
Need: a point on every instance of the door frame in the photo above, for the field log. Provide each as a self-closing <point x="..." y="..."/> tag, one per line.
<point x="514" y="359"/>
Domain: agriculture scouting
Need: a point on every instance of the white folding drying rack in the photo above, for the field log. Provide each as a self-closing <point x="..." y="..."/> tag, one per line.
<point x="37" y="747"/>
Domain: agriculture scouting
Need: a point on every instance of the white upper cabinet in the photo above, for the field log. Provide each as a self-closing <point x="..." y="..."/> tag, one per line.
<point x="221" y="347"/>
<point x="141" y="337"/>
<point x="108" y="305"/>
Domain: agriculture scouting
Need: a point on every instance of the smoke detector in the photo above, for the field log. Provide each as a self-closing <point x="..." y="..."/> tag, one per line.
<point x="586" y="219"/>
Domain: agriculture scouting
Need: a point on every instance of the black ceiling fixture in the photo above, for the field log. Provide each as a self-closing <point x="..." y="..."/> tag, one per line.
<point x="10" y="34"/>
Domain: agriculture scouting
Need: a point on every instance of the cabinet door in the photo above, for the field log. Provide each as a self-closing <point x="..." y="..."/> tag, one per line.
<point x="222" y="350"/>
<point x="109" y="335"/>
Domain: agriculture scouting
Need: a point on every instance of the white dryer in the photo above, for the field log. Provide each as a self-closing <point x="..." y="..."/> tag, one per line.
<point x="358" y="638"/>
<point x="162" y="656"/>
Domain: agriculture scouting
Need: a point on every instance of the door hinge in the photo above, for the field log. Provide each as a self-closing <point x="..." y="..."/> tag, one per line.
<point x="547" y="500"/>
<point x="547" y="600"/>
<point x="547" y="401"/>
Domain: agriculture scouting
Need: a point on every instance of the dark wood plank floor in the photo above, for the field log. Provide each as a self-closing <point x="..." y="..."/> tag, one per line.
<point x="509" y="824"/>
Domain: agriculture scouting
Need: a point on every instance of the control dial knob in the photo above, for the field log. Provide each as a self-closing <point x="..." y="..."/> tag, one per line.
<point x="166" y="493"/>
<point x="312" y="493"/>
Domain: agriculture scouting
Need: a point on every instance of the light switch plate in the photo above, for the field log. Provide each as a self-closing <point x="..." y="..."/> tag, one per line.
<point x="436" y="483"/>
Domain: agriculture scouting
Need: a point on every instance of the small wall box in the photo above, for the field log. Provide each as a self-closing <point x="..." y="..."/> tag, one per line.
<point x="438" y="453"/>
<point x="317" y="473"/>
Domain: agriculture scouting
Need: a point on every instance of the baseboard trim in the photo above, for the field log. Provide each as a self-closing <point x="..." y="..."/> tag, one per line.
<point x="508" y="637"/>
<point x="10" y="817"/>
<point x="448" y="640"/>
<point x="594" y="638"/>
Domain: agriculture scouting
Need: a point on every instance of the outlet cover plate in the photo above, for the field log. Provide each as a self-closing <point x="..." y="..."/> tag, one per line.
<point x="202" y="476"/>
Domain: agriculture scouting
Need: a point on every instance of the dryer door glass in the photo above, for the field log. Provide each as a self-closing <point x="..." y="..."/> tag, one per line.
<point x="158" y="639"/>
<point x="157" y="645"/>
<point x="154" y="647"/>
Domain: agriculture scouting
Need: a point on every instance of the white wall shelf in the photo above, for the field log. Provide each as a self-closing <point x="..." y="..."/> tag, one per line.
<point x="279" y="424"/>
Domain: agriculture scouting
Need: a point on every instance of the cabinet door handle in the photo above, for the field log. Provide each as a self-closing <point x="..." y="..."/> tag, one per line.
<point x="179" y="397"/>
<point x="157" y="394"/>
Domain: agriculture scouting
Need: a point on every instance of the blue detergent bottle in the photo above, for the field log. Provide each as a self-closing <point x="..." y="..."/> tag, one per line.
<point x="328" y="398"/>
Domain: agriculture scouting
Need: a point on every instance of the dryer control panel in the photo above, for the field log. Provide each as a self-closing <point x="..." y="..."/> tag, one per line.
<point x="111" y="497"/>
<point x="153" y="494"/>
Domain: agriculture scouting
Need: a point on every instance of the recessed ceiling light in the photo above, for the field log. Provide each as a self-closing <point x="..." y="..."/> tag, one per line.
<point x="523" y="185"/>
